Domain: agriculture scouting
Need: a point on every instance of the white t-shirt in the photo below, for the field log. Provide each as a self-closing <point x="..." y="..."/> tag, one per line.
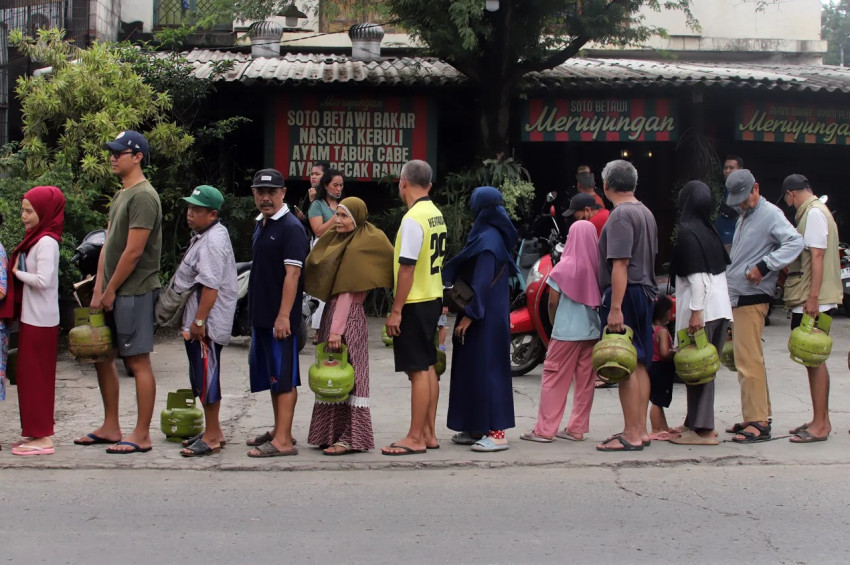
<point x="817" y="230"/>
<point x="705" y="292"/>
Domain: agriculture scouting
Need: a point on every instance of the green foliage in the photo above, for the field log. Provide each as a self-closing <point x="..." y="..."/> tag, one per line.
<point x="835" y="28"/>
<point x="84" y="101"/>
<point x="518" y="195"/>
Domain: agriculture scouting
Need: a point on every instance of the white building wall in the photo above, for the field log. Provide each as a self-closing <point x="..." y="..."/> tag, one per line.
<point x="138" y="11"/>
<point x="104" y="19"/>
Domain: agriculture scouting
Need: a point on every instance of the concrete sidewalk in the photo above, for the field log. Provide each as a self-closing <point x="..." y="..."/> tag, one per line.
<point x="78" y="411"/>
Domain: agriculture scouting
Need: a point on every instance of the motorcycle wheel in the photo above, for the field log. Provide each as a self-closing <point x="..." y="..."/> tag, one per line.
<point x="527" y="352"/>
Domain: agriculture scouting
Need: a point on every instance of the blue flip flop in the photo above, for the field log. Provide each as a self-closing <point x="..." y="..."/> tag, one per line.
<point x="95" y="440"/>
<point x="136" y="448"/>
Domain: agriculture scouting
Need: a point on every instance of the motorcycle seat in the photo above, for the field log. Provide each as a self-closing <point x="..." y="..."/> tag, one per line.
<point x="242" y="267"/>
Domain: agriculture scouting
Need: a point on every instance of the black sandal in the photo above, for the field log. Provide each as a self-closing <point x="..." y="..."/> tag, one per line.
<point x="199" y="449"/>
<point x="191" y="440"/>
<point x="750" y="437"/>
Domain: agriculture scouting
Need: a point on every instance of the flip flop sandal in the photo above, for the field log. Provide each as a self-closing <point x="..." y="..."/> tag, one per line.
<point x="191" y="440"/>
<point x="26" y="449"/>
<point x="662" y="436"/>
<point x="464" y="438"/>
<point x="135" y="446"/>
<point x="199" y="448"/>
<point x="645" y="443"/>
<point x="346" y="449"/>
<point x="690" y="437"/>
<point x="806" y="437"/>
<point x="269" y="450"/>
<point x="798" y="429"/>
<point x="487" y="445"/>
<point x="261" y="439"/>
<point x="405" y="450"/>
<point x="531" y="436"/>
<point x="626" y="446"/>
<point x="95" y="440"/>
<point x="564" y="434"/>
<point x="750" y="437"/>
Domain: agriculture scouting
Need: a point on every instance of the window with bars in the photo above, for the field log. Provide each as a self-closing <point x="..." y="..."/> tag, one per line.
<point x="174" y="13"/>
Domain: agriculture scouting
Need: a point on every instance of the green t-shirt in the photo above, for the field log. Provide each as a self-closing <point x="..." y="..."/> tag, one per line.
<point x="134" y="207"/>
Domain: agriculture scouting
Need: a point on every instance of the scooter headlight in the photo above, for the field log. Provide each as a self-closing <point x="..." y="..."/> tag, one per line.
<point x="534" y="275"/>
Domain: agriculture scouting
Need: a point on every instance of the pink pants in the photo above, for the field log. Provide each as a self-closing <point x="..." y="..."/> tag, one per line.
<point x="564" y="361"/>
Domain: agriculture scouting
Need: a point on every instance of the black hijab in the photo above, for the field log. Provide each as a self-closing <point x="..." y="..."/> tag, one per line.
<point x="698" y="248"/>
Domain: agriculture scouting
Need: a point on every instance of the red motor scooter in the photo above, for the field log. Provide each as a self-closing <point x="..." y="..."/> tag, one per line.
<point x="531" y="327"/>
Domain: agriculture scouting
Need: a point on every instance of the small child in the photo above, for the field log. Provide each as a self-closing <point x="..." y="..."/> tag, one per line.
<point x="441" y="324"/>
<point x="662" y="371"/>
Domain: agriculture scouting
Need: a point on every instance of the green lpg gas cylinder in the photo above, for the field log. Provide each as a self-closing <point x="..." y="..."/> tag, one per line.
<point x="697" y="360"/>
<point x="810" y="343"/>
<point x="614" y="356"/>
<point x="91" y="339"/>
<point x="182" y="418"/>
<point x="331" y="376"/>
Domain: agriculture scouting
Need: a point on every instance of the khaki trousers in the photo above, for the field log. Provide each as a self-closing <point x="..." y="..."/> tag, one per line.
<point x="749" y="359"/>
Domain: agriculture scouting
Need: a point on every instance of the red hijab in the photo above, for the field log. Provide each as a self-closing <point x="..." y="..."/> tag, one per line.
<point x="49" y="203"/>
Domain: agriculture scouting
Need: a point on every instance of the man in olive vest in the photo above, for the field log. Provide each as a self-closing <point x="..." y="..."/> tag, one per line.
<point x="813" y="285"/>
<point x="420" y="247"/>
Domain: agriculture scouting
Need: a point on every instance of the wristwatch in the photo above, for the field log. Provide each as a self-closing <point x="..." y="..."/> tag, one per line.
<point x="200" y="323"/>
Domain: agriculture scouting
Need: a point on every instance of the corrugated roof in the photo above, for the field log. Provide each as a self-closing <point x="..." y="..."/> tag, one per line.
<point x="312" y="68"/>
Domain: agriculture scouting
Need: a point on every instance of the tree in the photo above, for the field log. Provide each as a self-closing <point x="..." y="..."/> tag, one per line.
<point x="835" y="28"/>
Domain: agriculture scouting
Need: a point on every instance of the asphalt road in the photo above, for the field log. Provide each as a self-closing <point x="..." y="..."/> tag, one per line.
<point x="699" y="514"/>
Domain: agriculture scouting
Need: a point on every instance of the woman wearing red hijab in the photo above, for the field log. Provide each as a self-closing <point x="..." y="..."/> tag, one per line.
<point x="35" y="264"/>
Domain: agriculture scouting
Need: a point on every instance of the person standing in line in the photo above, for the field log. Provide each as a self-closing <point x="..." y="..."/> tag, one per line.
<point x="316" y="171"/>
<point x="574" y="300"/>
<point x="702" y="298"/>
<point x="321" y="215"/>
<point x="662" y="371"/>
<point x="727" y="216"/>
<point x="274" y="304"/>
<point x="35" y="265"/>
<point x="208" y="271"/>
<point x="765" y="242"/>
<point x="127" y="288"/>
<point x="627" y="250"/>
<point x="584" y="207"/>
<point x="586" y="184"/>
<point x="349" y="260"/>
<point x="481" y="401"/>
<point x="813" y="285"/>
<point x="420" y="247"/>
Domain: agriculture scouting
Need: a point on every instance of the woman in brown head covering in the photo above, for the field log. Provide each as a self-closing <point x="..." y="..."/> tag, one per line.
<point x="350" y="259"/>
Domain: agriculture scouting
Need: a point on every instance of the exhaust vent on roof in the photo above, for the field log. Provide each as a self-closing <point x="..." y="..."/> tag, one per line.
<point x="366" y="41"/>
<point x="265" y="39"/>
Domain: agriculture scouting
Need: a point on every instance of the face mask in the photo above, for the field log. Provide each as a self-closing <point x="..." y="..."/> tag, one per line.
<point x="333" y="197"/>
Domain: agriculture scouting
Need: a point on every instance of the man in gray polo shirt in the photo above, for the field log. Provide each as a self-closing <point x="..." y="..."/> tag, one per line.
<point x="208" y="270"/>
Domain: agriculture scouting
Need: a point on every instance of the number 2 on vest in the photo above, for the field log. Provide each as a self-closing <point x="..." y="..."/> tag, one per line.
<point x="438" y="251"/>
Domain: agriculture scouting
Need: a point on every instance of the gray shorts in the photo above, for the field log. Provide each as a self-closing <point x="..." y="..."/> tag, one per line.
<point x="132" y="322"/>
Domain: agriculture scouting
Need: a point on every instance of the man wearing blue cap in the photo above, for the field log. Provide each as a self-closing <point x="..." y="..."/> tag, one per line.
<point x="127" y="288"/>
<point x="208" y="271"/>
<point x="764" y="243"/>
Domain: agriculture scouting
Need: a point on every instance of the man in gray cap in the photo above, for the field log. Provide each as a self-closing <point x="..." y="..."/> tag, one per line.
<point x="813" y="286"/>
<point x="763" y="244"/>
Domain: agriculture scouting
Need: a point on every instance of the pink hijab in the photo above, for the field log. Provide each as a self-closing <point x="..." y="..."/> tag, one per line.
<point x="576" y="273"/>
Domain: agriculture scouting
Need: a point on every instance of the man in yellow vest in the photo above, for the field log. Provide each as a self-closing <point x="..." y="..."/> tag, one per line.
<point x="420" y="247"/>
<point x="813" y="285"/>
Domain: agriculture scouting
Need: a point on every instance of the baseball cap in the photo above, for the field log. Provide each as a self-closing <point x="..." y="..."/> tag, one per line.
<point x="130" y="139"/>
<point x="270" y="178"/>
<point x="795" y="182"/>
<point x="739" y="185"/>
<point x="580" y="201"/>
<point x="206" y="196"/>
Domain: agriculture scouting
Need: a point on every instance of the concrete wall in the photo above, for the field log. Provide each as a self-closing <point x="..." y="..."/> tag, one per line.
<point x="104" y="19"/>
<point x="138" y="10"/>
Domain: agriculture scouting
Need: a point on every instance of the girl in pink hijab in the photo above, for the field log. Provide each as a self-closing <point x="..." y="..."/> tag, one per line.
<point x="574" y="300"/>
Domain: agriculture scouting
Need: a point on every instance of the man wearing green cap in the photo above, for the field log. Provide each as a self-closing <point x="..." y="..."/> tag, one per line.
<point x="208" y="271"/>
